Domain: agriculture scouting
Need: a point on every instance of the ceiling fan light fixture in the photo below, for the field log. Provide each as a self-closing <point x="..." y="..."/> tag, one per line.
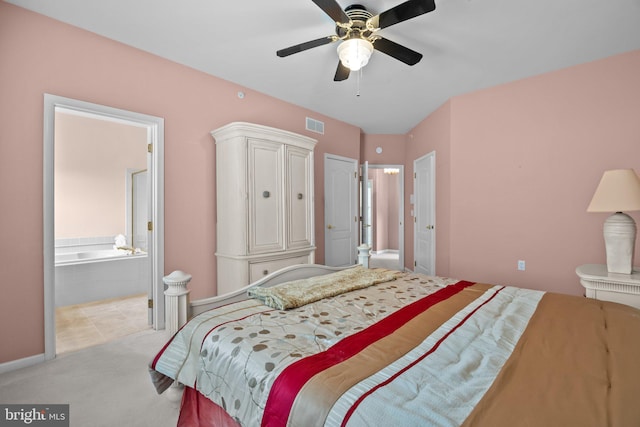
<point x="355" y="53"/>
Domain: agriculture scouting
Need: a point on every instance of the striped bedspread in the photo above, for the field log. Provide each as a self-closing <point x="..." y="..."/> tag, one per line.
<point x="413" y="352"/>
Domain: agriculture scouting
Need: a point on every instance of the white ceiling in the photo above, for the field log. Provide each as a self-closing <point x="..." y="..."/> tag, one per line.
<point x="467" y="45"/>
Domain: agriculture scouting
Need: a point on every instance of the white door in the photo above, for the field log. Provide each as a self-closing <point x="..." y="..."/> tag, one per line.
<point x="141" y="214"/>
<point x="340" y="210"/>
<point x="140" y="211"/>
<point x="425" y="214"/>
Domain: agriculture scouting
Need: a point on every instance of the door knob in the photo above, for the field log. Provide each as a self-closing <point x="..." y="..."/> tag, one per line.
<point x="329" y="226"/>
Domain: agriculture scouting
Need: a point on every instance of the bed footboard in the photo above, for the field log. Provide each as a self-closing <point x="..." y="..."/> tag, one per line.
<point x="179" y="309"/>
<point x="287" y="274"/>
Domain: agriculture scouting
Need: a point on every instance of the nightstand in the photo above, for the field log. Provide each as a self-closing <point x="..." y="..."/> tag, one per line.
<point x="602" y="285"/>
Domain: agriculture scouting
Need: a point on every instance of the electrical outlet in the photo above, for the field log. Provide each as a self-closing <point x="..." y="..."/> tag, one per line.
<point x="521" y="265"/>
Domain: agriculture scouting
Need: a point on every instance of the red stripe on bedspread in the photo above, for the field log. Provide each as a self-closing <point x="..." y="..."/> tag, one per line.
<point x="289" y="383"/>
<point x="415" y="362"/>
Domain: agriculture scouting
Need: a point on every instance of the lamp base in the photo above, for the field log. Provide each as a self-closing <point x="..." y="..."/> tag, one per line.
<point x="620" y="238"/>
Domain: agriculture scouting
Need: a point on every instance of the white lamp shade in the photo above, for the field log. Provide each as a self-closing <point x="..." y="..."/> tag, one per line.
<point x="355" y="53"/>
<point x="618" y="191"/>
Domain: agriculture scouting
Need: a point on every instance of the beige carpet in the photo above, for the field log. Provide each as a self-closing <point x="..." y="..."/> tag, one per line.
<point x="388" y="260"/>
<point x="105" y="385"/>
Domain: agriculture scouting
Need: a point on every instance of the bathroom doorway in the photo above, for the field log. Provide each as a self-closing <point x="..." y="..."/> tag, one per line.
<point x="384" y="231"/>
<point x="103" y="223"/>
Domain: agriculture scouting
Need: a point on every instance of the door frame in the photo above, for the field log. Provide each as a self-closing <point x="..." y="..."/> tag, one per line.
<point x="155" y="137"/>
<point x="367" y="217"/>
<point x="400" y="207"/>
<point x="431" y="157"/>
<point x="354" y="207"/>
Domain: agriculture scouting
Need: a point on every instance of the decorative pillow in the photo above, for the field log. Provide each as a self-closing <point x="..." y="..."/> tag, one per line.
<point x="304" y="291"/>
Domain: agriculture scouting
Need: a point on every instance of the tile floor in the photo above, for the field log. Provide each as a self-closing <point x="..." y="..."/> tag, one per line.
<point x="85" y="325"/>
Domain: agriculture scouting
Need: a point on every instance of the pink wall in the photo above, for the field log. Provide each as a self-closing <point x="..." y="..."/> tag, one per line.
<point x="41" y="55"/>
<point x="393" y="149"/>
<point x="91" y="161"/>
<point x="523" y="162"/>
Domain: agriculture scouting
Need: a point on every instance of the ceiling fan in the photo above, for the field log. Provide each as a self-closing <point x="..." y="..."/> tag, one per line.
<point x="357" y="29"/>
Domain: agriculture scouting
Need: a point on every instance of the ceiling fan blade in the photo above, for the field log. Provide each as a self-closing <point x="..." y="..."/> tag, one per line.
<point x="402" y="12"/>
<point x="342" y="73"/>
<point x="333" y="9"/>
<point x="304" y="46"/>
<point x="399" y="52"/>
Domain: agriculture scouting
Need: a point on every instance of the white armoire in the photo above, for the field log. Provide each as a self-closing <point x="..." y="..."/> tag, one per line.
<point x="264" y="195"/>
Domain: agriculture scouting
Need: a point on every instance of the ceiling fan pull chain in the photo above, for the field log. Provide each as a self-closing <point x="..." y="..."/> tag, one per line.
<point x="359" y="75"/>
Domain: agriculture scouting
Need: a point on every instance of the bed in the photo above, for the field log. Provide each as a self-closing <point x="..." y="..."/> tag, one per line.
<point x="313" y="346"/>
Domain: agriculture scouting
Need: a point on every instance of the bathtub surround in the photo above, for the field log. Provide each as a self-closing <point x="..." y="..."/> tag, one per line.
<point x="90" y="269"/>
<point x="83" y="244"/>
<point x="99" y="275"/>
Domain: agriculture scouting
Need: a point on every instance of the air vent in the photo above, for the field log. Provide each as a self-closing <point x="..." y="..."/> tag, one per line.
<point x="315" y="125"/>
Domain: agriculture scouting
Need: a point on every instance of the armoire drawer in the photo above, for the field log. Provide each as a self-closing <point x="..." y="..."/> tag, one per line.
<point x="257" y="270"/>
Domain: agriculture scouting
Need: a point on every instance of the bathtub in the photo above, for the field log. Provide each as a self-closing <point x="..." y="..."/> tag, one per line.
<point x="95" y="275"/>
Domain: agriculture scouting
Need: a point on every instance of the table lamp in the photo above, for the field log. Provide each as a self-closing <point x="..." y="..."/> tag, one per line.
<point x="619" y="190"/>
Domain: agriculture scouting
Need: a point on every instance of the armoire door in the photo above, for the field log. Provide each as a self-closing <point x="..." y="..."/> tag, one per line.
<point x="299" y="198"/>
<point x="265" y="196"/>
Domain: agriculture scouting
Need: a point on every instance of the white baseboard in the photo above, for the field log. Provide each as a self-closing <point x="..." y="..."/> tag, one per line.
<point x="21" y="363"/>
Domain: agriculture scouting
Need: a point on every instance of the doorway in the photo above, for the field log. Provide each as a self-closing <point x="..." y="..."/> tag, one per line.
<point x="128" y="246"/>
<point x="383" y="215"/>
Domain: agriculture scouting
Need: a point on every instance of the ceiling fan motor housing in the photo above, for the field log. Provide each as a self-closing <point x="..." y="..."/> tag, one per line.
<point x="358" y="11"/>
<point x="359" y="16"/>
